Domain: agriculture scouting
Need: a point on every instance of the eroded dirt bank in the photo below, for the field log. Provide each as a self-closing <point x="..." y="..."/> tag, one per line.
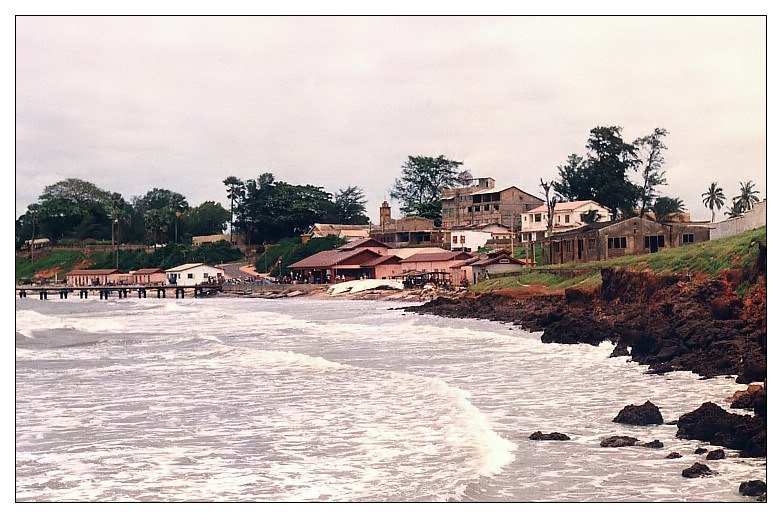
<point x="667" y="322"/>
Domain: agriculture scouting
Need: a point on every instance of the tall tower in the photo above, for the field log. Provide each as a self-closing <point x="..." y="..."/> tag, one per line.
<point x="385" y="215"/>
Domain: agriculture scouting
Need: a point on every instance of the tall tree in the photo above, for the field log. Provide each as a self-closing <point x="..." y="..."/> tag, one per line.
<point x="155" y="221"/>
<point x="421" y="184"/>
<point x="665" y="207"/>
<point x="351" y="206"/>
<point x="713" y="199"/>
<point x="649" y="150"/>
<point x="746" y="197"/>
<point x="235" y="190"/>
<point x="177" y="206"/>
<point x="551" y="203"/>
<point x="602" y="175"/>
<point x="206" y="219"/>
<point x="74" y="207"/>
<point x="168" y="204"/>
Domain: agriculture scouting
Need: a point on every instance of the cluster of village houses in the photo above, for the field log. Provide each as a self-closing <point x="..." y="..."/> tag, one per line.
<point x="476" y="216"/>
<point x="494" y="220"/>
<point x="191" y="274"/>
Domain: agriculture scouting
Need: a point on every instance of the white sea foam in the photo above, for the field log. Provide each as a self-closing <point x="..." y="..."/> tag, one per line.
<point x="28" y="321"/>
<point x="231" y="399"/>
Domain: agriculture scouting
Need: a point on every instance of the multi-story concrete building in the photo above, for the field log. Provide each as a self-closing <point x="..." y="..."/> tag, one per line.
<point x="568" y="215"/>
<point x="483" y="203"/>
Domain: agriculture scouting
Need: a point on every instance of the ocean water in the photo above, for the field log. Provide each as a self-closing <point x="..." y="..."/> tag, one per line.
<point x="308" y="399"/>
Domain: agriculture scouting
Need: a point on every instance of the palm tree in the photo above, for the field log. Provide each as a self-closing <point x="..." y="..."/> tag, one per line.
<point x="155" y="222"/>
<point x="747" y="196"/>
<point x="666" y="207"/>
<point x="177" y="205"/>
<point x="736" y="210"/>
<point x="713" y="199"/>
<point x="235" y="191"/>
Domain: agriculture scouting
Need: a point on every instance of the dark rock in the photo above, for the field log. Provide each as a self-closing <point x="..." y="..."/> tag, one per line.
<point x="752" y="488"/>
<point x="716" y="455"/>
<point x="619" y="350"/>
<point x="755" y="447"/>
<point x="674" y="455"/>
<point x="654" y="444"/>
<point x="553" y="436"/>
<point x="722" y="428"/>
<point x="700" y="451"/>
<point x="754" y="399"/>
<point x="618" y="441"/>
<point x="645" y="414"/>
<point x="697" y="470"/>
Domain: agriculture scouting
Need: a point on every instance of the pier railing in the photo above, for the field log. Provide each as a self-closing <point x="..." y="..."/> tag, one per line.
<point x="121" y="292"/>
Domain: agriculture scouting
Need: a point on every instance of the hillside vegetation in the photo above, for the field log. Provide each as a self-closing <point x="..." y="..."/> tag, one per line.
<point x="701" y="259"/>
<point x="51" y="264"/>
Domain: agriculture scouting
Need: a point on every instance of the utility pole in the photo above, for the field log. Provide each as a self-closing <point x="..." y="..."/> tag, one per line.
<point x="512" y="231"/>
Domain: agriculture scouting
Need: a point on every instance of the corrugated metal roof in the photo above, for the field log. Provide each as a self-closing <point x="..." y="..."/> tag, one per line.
<point x="145" y="271"/>
<point x="97" y="271"/>
<point x="435" y="257"/>
<point x="328" y="258"/>
<point x="497" y="259"/>
<point x="383" y="259"/>
<point x="366" y="242"/>
<point x="183" y="267"/>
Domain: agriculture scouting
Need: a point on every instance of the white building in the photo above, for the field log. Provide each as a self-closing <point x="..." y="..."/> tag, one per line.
<point x="468" y="240"/>
<point x="194" y="274"/>
<point x="567" y="216"/>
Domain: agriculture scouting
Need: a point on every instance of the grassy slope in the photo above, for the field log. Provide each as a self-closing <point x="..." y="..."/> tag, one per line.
<point x="707" y="258"/>
<point x="50" y="260"/>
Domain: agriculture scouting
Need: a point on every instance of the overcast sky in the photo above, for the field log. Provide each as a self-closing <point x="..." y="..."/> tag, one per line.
<point x="134" y="103"/>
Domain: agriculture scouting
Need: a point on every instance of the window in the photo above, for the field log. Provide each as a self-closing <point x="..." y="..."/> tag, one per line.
<point x="189" y="275"/>
<point x="495" y="196"/>
<point x="206" y="275"/>
<point x="462" y="238"/>
<point x="486" y="207"/>
<point x="477" y="208"/>
<point x="567" y="218"/>
<point x="504" y="261"/>
<point x="591" y="244"/>
<point x="688" y="238"/>
<point x="617" y="242"/>
<point x="496" y="206"/>
<point x="538" y="218"/>
<point x="558" y="218"/>
<point x="455" y="240"/>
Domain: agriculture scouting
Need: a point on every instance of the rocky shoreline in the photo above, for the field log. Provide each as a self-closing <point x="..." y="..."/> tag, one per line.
<point x="667" y="322"/>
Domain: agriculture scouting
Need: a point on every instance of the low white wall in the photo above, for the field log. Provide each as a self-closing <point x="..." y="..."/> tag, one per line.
<point x="747" y="221"/>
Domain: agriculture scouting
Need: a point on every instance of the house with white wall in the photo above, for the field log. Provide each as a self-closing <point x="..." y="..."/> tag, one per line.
<point x="194" y="274"/>
<point x="568" y="215"/>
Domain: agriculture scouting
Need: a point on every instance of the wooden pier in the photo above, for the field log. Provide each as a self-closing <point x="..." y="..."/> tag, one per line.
<point x="120" y="292"/>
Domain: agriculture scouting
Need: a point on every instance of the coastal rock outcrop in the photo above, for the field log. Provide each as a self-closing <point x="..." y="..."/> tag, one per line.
<point x="752" y="488"/>
<point x="653" y="444"/>
<point x="674" y="455"/>
<point x="553" y="436"/>
<point x="646" y="414"/>
<point x="697" y="470"/>
<point x="668" y="322"/>
<point x="715" y="455"/>
<point x="719" y="427"/>
<point x="618" y="441"/>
